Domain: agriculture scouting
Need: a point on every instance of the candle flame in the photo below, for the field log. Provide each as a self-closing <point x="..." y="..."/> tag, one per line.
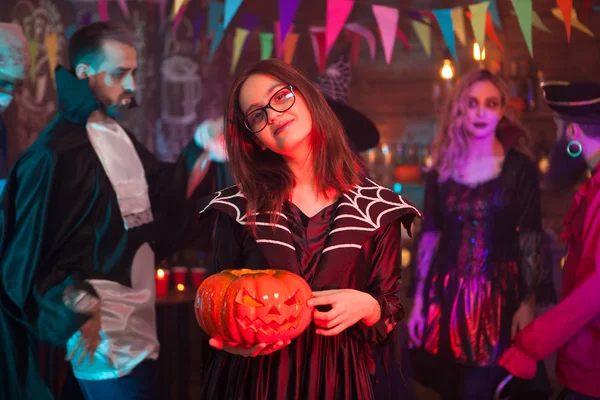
<point x="180" y="287"/>
<point x="160" y="273"/>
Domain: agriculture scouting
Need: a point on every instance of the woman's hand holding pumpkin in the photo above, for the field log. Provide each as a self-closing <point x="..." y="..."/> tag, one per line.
<point x="261" y="349"/>
<point x="348" y="306"/>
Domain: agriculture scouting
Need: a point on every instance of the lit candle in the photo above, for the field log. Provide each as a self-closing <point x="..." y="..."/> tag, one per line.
<point x="162" y="282"/>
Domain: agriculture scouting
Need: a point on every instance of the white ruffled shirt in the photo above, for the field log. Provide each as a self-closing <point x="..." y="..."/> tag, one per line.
<point x="128" y="315"/>
<point x="124" y="169"/>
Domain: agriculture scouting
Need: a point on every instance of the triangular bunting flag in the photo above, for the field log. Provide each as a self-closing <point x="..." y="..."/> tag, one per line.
<point x="231" y="8"/>
<point x="287" y="12"/>
<point x="429" y="17"/>
<point x="458" y="23"/>
<point x="415" y="16"/>
<point x="478" y="17"/>
<point x="51" y="42"/>
<point x="587" y="6"/>
<point x="575" y="23"/>
<point x="216" y="40"/>
<point x="387" y="20"/>
<point x="337" y="14"/>
<point x="239" y="39"/>
<point x="524" y="11"/>
<point x="289" y="47"/>
<point x="266" y="45"/>
<point x="400" y="35"/>
<point x="102" y="7"/>
<point x="424" y="34"/>
<point x="198" y="25"/>
<point x="87" y="19"/>
<point x="490" y="31"/>
<point x="493" y="10"/>
<point x="317" y="36"/>
<point x="33" y="53"/>
<point x="279" y="39"/>
<point x="124" y="8"/>
<point x="365" y="33"/>
<point x="566" y="8"/>
<point x="215" y="13"/>
<point x="536" y="21"/>
<point x="177" y="5"/>
<point x="179" y="17"/>
<point x="444" y="19"/>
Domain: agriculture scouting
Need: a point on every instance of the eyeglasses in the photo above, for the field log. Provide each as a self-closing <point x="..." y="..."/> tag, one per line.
<point x="281" y="101"/>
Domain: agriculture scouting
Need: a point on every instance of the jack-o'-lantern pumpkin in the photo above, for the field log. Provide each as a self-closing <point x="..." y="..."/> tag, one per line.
<point x="253" y="306"/>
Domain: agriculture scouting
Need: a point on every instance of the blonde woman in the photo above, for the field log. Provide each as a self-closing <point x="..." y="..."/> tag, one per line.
<point x="479" y="261"/>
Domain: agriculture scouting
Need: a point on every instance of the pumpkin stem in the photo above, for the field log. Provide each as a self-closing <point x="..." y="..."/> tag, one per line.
<point x="246" y="271"/>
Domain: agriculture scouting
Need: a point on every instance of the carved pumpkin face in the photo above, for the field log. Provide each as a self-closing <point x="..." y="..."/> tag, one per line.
<point x="253" y="306"/>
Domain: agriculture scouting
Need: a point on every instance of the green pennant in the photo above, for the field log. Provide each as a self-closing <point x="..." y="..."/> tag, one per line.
<point x="524" y="10"/>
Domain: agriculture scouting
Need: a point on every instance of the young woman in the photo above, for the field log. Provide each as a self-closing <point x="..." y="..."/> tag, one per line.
<point x="301" y="205"/>
<point x="479" y="260"/>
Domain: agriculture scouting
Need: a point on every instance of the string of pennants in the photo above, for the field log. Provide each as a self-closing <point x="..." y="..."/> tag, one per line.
<point x="483" y="17"/>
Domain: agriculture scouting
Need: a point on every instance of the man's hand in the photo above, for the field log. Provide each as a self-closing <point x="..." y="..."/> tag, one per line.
<point x="89" y="339"/>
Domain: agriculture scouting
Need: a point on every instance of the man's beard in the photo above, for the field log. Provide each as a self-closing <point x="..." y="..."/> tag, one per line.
<point x="119" y="109"/>
<point x="565" y="171"/>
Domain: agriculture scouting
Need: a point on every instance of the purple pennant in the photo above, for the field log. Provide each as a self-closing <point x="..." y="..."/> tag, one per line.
<point x="250" y="21"/>
<point x="198" y="25"/>
<point x="415" y="15"/>
<point x="87" y="19"/>
<point x="287" y="12"/>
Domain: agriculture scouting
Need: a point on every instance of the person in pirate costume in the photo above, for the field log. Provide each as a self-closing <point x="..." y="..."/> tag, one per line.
<point x="14" y="64"/>
<point x="572" y="327"/>
<point x="84" y="210"/>
<point x="301" y="205"/>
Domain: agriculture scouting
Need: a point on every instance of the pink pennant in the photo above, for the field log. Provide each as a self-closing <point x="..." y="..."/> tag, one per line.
<point x="102" y="7"/>
<point x="124" y="8"/>
<point x="387" y="19"/>
<point x="179" y="18"/>
<point x="400" y="35"/>
<point x="337" y="14"/>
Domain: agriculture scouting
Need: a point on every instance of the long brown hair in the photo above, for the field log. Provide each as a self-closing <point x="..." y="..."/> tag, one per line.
<point x="263" y="176"/>
<point x="451" y="145"/>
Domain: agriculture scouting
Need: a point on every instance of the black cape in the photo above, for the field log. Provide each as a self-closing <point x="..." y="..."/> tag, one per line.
<point x="60" y="224"/>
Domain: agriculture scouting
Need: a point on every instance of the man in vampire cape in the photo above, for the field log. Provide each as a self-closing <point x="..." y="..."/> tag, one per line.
<point x="84" y="210"/>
